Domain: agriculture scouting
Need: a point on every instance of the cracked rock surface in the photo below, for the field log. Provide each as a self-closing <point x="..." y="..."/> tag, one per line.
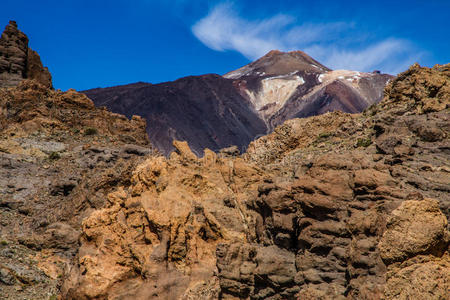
<point x="336" y="206"/>
<point x="59" y="158"/>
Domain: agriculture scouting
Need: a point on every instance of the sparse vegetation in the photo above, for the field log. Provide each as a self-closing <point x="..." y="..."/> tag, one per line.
<point x="324" y="135"/>
<point x="90" y="131"/>
<point x="363" y="142"/>
<point x="3" y="243"/>
<point x="321" y="138"/>
<point x="371" y="110"/>
<point x="54" y="156"/>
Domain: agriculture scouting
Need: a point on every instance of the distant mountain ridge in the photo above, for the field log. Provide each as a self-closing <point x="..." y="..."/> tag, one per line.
<point x="207" y="111"/>
<point x="213" y="111"/>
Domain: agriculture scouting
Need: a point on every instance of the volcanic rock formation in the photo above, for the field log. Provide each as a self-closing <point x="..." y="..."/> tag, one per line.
<point x="18" y="61"/>
<point x="335" y="206"/>
<point x="59" y="157"/>
<point x="214" y="112"/>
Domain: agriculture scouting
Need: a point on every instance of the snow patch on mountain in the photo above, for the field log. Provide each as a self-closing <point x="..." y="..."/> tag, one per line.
<point x="274" y="93"/>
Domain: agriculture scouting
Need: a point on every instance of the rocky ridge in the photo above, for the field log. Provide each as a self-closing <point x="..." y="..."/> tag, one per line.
<point x="336" y="206"/>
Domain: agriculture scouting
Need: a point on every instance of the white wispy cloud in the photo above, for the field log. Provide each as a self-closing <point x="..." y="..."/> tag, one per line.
<point x="334" y="44"/>
<point x="223" y="30"/>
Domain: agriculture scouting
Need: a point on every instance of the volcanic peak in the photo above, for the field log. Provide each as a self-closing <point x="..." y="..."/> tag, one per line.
<point x="277" y="62"/>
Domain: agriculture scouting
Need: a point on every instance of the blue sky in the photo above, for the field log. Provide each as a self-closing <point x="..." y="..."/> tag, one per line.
<point x="88" y="44"/>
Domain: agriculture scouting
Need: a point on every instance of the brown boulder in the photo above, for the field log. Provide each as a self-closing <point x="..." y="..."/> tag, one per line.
<point x="422" y="277"/>
<point x="416" y="227"/>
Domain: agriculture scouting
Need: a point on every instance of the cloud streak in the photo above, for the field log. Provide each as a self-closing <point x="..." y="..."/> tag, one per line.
<point x="335" y="44"/>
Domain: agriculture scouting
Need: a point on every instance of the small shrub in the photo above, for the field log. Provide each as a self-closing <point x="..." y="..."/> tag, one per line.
<point x="371" y="110"/>
<point x="54" y="156"/>
<point x="363" y="142"/>
<point x="90" y="131"/>
<point x="324" y="135"/>
<point x="3" y="243"/>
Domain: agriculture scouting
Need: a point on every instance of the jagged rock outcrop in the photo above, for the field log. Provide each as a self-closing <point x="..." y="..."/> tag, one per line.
<point x="18" y="61"/>
<point x="59" y="157"/>
<point x="212" y="111"/>
<point x="163" y="230"/>
<point x="330" y="207"/>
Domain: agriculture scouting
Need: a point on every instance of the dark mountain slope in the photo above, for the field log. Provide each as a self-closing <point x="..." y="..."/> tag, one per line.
<point x="206" y="110"/>
<point x="212" y="111"/>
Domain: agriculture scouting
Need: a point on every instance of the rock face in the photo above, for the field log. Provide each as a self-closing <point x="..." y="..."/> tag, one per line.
<point x="18" y="61"/>
<point x="59" y="157"/>
<point x="336" y="206"/>
<point x="215" y="112"/>
<point x="413" y="246"/>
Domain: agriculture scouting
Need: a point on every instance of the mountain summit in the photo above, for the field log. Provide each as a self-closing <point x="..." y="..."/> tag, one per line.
<point x="279" y="63"/>
<point x="212" y="111"/>
<point x="286" y="85"/>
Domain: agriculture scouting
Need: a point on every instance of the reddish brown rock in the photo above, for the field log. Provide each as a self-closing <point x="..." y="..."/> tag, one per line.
<point x="416" y="227"/>
<point x="35" y="70"/>
<point x="59" y="157"/>
<point x="18" y="61"/>
<point x="322" y="208"/>
<point x="426" y="277"/>
<point x="170" y="221"/>
<point x="415" y="246"/>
